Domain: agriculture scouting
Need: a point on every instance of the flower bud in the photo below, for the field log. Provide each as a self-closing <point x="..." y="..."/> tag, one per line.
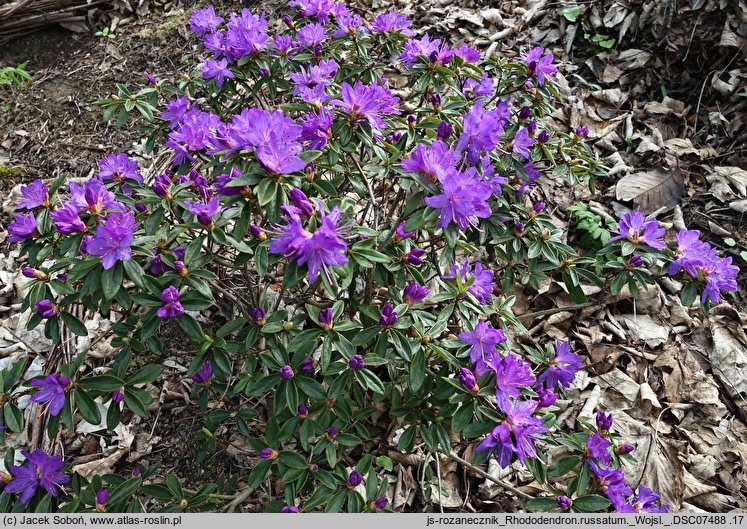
<point x="414" y="293"/>
<point x="308" y="366"/>
<point x="257" y="232"/>
<point x="268" y="453"/>
<point x="102" y="498"/>
<point x="286" y="372"/>
<point x="354" y="479"/>
<point x="46" y="309"/>
<point x="389" y="316"/>
<point x="411" y="120"/>
<point x="325" y="319"/>
<point x="525" y="113"/>
<point x="332" y="432"/>
<point x="564" y="502"/>
<point x="519" y="228"/>
<point x="635" y="261"/>
<point x="289" y="509"/>
<point x="468" y="382"/>
<point x="414" y="256"/>
<point x="400" y="234"/>
<point x="288" y="21"/>
<point x="539" y="207"/>
<point x="264" y="72"/>
<point x="259" y="315"/>
<point x="444" y="131"/>
<point x="543" y="137"/>
<point x="118" y="395"/>
<point x="181" y="268"/>
<point x="302" y="203"/>
<point x="380" y="504"/>
<point x="436" y="102"/>
<point x="624" y="449"/>
<point x="357" y="363"/>
<point x="582" y="132"/>
<point x="302" y="412"/>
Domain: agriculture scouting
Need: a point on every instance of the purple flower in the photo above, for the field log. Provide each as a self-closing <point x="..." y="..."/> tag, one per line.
<point x="303" y="411"/>
<point x="624" y="449"/>
<point x="464" y="199"/>
<point x="325" y="319"/>
<point x="204" y="375"/>
<point x="540" y="65"/>
<point x="357" y="363"/>
<point x="582" y="132"/>
<point x="40" y="469"/>
<point x="320" y="250"/>
<point x="380" y="503"/>
<point x="286" y="372"/>
<point x="645" y="501"/>
<point x="389" y="316"/>
<point x="468" y="53"/>
<point x="308" y="366"/>
<point x="433" y="50"/>
<point x="720" y="276"/>
<point x="102" y="498"/>
<point x="259" y="315"/>
<point x="434" y="162"/>
<point x="118" y="395"/>
<point x="525" y="113"/>
<point x="598" y="448"/>
<point x="539" y="207"/>
<point x="543" y="137"/>
<point x="332" y="432"/>
<point x="93" y="197"/>
<point x="117" y="167"/>
<point x="349" y="26"/>
<point x="482" y="88"/>
<point x="22" y="228"/>
<point x="312" y="34"/>
<point x="414" y="293"/>
<point x="52" y="392"/>
<point x="302" y="203"/>
<point x="546" y="397"/>
<point x="218" y="71"/>
<point x="483" y="340"/>
<point x="113" y="239"/>
<point x="528" y="177"/>
<point x="604" y="422"/>
<point x="317" y="128"/>
<point x="522" y="143"/>
<point x="610" y="481"/>
<point x="46" y="308"/>
<point x="482" y="130"/>
<point x="635" y="228"/>
<point x="33" y="273"/>
<point x="482" y="285"/>
<point x="690" y="253"/>
<point x="563" y="368"/>
<point x="289" y="509"/>
<point x="468" y="381"/>
<point x="170" y="306"/>
<point x="400" y="234"/>
<point x="444" y="131"/>
<point x="268" y="454"/>
<point x="367" y="103"/>
<point x="354" y="479"/>
<point x="564" y="502"/>
<point x="204" y="212"/>
<point x="511" y="374"/>
<point x="515" y="435"/>
<point x="204" y="21"/>
<point x="66" y="219"/>
<point x="392" y="23"/>
<point x="415" y="256"/>
<point x="175" y="111"/>
<point x="35" y="194"/>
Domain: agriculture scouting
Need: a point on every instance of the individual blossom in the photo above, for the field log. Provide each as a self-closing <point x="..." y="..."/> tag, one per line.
<point x="414" y="293"/>
<point x="170" y="305"/>
<point x="610" y="481"/>
<point x="113" y="239"/>
<point x="325" y="319"/>
<point x="400" y="234"/>
<point x="581" y="132"/>
<point x="302" y="411"/>
<point x="317" y="128"/>
<point x="562" y="369"/>
<point x="392" y="22"/>
<point x="483" y="341"/>
<point x="357" y="363"/>
<point x="635" y="228"/>
<point x="472" y="88"/>
<point x="444" y="130"/>
<point x="268" y="454"/>
<point x="35" y="195"/>
<point x="66" y="219"/>
<point x="644" y="500"/>
<point x="218" y="71"/>
<point x="289" y="509"/>
<point x="522" y="143"/>
<point x="379" y="504"/>
<point x="481" y="130"/>
<point x="545" y="397"/>
<point x="94" y="198"/>
<point x="528" y="178"/>
<point x="312" y="34"/>
<point x="204" y="375"/>
<point x="354" y="479"/>
<point x="349" y="25"/>
<point x="539" y="64"/>
<point x="367" y="103"/>
<point x="52" y="392"/>
<point x="464" y="199"/>
<point x="432" y="50"/>
<point x="564" y="502"/>
<point x="205" y="213"/>
<point x="302" y="203"/>
<point x="511" y="374"/>
<point x="389" y="316"/>
<point x="468" y="54"/>
<point x="279" y="157"/>
<point x="434" y="161"/>
<point x="597" y="447"/>
<point x="720" y="276"/>
<point x="543" y="137"/>
<point x="319" y="250"/>
<point x="22" y="228"/>
<point x="175" y="111"/>
<point x="45" y="308"/>
<point x="690" y="253"/>
<point x="286" y="372"/>
<point x="33" y="273"/>
<point x="482" y="285"/>
<point x="468" y="381"/>
<point x="118" y="167"/>
<point x="516" y="435"/>
<point x="40" y="470"/>
<point x="204" y="21"/>
<point x="102" y="498"/>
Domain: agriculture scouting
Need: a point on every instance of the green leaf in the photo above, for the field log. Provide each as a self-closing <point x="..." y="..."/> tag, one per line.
<point x="147" y="374"/>
<point x="103" y="383"/>
<point x="132" y="401"/>
<point x="190" y="326"/>
<point x="258" y="473"/>
<point x="417" y="370"/>
<point x="87" y="407"/>
<point x="111" y="281"/>
<point x="541" y="504"/>
<point x="13" y="417"/>
<point x="571" y="13"/>
<point x="591" y="503"/>
<point x="125" y="490"/>
<point x="74" y="324"/>
<point x="385" y="462"/>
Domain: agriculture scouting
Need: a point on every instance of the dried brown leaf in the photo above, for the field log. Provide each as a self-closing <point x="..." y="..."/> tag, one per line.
<point x="651" y="190"/>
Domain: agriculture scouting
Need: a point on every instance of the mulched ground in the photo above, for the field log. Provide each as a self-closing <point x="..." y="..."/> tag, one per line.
<point x="665" y="97"/>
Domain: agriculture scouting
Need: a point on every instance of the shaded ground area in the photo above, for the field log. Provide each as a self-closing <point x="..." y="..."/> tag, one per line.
<point x="665" y="105"/>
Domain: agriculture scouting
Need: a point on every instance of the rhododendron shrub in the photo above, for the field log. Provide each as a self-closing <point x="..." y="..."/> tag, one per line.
<point x="343" y="216"/>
